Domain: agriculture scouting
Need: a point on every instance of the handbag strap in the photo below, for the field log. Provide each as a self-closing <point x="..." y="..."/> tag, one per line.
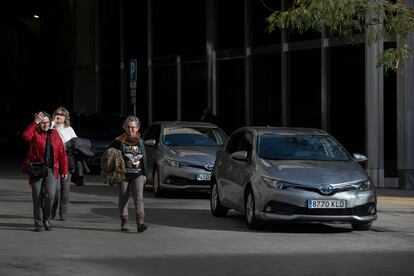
<point x="47" y="150"/>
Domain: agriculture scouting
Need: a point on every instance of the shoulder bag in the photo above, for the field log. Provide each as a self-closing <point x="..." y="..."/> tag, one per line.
<point x="40" y="169"/>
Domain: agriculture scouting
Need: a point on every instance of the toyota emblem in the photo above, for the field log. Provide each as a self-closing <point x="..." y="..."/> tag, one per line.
<point x="209" y="166"/>
<point x="326" y="189"/>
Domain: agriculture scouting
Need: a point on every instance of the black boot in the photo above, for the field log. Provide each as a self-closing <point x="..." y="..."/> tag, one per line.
<point x="141" y="227"/>
<point x="46" y="225"/>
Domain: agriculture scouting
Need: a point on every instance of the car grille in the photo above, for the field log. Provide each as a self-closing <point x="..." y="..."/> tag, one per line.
<point x="288" y="209"/>
<point x="206" y="168"/>
<point x="336" y="189"/>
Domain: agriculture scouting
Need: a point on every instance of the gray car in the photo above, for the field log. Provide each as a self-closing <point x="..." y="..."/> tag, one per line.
<point x="181" y="154"/>
<point x="291" y="175"/>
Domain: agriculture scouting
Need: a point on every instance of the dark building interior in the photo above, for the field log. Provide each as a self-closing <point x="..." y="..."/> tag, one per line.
<point x="76" y="48"/>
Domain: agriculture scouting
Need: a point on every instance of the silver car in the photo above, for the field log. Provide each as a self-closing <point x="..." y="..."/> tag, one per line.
<point x="181" y="154"/>
<point x="291" y="175"/>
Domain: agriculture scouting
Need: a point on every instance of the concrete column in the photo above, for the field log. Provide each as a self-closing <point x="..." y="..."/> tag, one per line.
<point x="374" y="102"/>
<point x="324" y="82"/>
<point x="405" y="117"/>
<point x="123" y="86"/>
<point x="98" y="91"/>
<point x="150" y="54"/>
<point x="211" y="55"/>
<point x="248" y="63"/>
<point x="285" y="75"/>
<point x="179" y="87"/>
<point x="86" y="62"/>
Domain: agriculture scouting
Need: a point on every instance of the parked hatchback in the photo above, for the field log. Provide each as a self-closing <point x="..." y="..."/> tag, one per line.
<point x="291" y="175"/>
<point x="181" y="154"/>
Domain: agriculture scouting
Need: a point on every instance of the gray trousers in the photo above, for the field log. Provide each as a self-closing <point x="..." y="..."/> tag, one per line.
<point x="43" y="198"/>
<point x="62" y="198"/>
<point x="135" y="186"/>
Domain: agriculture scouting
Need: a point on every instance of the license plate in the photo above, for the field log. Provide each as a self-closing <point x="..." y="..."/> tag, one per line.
<point x="203" y="176"/>
<point x="326" y="204"/>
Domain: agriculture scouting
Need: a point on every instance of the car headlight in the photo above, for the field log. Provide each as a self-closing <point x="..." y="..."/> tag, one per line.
<point x="277" y="184"/>
<point x="173" y="163"/>
<point x="366" y="186"/>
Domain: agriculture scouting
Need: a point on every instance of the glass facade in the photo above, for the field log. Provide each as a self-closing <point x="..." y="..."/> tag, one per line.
<point x="231" y="111"/>
<point x="266" y="98"/>
<point x="304" y="88"/>
<point x="194" y="91"/>
<point x="347" y="96"/>
<point x="165" y="93"/>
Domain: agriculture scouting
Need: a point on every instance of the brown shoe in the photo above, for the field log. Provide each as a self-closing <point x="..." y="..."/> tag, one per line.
<point x="124" y="224"/>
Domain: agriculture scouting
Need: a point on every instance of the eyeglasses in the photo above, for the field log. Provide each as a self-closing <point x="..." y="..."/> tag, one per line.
<point x="60" y="114"/>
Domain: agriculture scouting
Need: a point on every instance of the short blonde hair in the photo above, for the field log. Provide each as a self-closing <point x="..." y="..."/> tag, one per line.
<point x="65" y="112"/>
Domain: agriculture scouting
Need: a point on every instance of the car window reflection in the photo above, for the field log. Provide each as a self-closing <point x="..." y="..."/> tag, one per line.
<point x="300" y="147"/>
<point x="192" y="136"/>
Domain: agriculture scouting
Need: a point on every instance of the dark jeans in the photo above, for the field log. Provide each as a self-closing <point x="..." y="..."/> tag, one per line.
<point x="43" y="198"/>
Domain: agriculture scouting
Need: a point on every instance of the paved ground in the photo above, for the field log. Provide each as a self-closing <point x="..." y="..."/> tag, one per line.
<point x="184" y="239"/>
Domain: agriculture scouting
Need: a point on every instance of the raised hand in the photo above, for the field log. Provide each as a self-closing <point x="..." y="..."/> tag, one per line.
<point x="39" y="117"/>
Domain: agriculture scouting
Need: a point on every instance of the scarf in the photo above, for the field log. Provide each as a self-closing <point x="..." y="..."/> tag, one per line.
<point x="128" y="140"/>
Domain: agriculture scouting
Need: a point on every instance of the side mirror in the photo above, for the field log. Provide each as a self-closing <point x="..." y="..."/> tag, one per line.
<point x="239" y="155"/>
<point x="360" y="157"/>
<point x="150" y="142"/>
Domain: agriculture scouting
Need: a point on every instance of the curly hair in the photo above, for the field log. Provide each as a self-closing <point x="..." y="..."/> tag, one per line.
<point x="65" y="112"/>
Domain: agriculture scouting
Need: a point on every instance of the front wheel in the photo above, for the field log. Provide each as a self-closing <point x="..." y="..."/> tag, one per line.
<point x="216" y="208"/>
<point x="361" y="226"/>
<point x="251" y="221"/>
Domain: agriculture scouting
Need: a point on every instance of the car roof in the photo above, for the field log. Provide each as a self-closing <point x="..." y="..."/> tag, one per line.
<point x="184" y="124"/>
<point x="284" y="130"/>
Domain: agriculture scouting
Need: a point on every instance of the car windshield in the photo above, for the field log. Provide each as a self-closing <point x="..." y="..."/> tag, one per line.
<point x="300" y="147"/>
<point x="193" y="136"/>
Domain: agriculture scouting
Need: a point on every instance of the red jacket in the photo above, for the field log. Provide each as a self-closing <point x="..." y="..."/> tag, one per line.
<point x="37" y="145"/>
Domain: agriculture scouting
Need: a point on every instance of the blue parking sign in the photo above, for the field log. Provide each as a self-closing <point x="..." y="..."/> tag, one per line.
<point x="133" y="69"/>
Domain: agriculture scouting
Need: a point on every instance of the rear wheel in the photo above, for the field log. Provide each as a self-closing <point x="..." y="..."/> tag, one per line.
<point x="361" y="226"/>
<point x="251" y="221"/>
<point x="156" y="183"/>
<point x="216" y="208"/>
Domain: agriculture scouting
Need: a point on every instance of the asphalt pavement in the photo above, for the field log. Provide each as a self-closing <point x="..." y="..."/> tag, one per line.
<point x="185" y="239"/>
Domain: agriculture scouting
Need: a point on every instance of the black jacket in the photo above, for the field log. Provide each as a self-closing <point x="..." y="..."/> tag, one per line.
<point x="79" y="151"/>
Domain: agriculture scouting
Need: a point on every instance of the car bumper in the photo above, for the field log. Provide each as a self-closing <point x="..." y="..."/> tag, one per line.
<point x="184" y="178"/>
<point x="315" y="218"/>
<point x="293" y="206"/>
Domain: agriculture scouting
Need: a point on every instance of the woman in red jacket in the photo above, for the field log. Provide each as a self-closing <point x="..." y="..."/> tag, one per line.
<point x="35" y="135"/>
